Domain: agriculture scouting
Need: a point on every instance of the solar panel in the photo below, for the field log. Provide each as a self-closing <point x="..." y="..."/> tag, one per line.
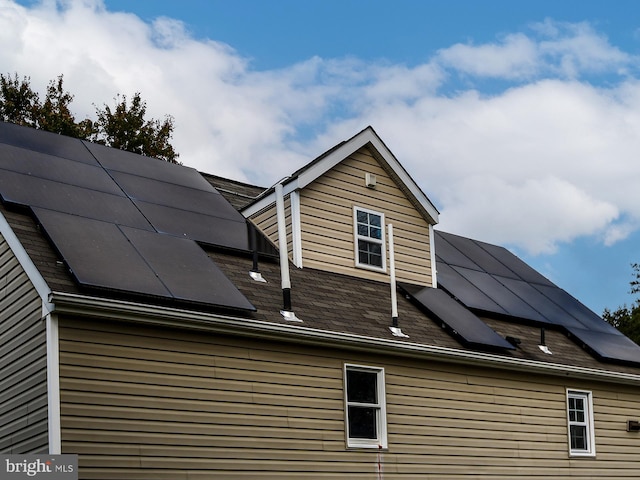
<point x="207" y="229"/>
<point x="99" y="255"/>
<point x="186" y="270"/>
<point x="451" y="255"/>
<point x="476" y="255"/>
<point x="104" y="255"/>
<point x="501" y="295"/>
<point x="462" y="289"/>
<point x="576" y="310"/>
<point x="45" y="142"/>
<point x="177" y="196"/>
<point x="37" y="192"/>
<point x="549" y="310"/>
<point x="467" y="273"/>
<point x="127" y="162"/>
<point x="521" y="269"/>
<point x="93" y="203"/>
<point x="36" y="164"/>
<point x="608" y="346"/>
<point x="458" y="319"/>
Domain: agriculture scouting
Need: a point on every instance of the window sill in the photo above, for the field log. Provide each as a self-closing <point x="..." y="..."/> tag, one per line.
<point x="367" y="447"/>
<point x="582" y="455"/>
<point x="371" y="268"/>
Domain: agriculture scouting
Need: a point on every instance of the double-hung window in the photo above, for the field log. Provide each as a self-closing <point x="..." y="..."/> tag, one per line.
<point x="369" y="239"/>
<point x="365" y="407"/>
<point x="580" y="421"/>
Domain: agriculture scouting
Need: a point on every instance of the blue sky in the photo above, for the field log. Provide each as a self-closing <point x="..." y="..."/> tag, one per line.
<point x="519" y="119"/>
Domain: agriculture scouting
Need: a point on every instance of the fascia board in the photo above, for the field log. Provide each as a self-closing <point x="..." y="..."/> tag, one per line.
<point x="109" y="309"/>
<point x="367" y="136"/>
<point x="270" y="199"/>
<point x="27" y="264"/>
<point x="335" y="157"/>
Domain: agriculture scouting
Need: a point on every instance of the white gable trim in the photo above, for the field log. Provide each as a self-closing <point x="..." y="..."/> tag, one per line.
<point x="432" y="255"/>
<point x="27" y="264"/>
<point x="365" y="137"/>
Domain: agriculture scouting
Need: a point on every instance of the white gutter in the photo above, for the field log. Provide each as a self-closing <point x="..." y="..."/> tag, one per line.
<point x="53" y="385"/>
<point x="107" y="309"/>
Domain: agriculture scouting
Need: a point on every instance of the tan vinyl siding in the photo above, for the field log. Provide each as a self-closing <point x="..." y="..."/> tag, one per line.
<point x="267" y="222"/>
<point x="139" y="402"/>
<point x="327" y="221"/>
<point x="326" y="218"/>
<point x="23" y="368"/>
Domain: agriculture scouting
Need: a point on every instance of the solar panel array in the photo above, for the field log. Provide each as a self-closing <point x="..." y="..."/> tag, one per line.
<point x="122" y="221"/>
<point x="490" y="279"/>
<point x="460" y="322"/>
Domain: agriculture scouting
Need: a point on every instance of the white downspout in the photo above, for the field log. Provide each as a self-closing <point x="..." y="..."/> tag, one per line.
<point x="53" y="384"/>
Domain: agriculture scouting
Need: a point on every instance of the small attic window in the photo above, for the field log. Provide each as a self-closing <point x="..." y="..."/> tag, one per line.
<point x="369" y="239"/>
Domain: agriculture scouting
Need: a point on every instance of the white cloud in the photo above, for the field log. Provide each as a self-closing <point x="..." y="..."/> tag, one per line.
<point x="545" y="160"/>
<point x="564" y="49"/>
<point x="516" y="56"/>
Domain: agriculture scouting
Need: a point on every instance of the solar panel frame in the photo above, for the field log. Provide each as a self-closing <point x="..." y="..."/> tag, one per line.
<point x="576" y="310"/>
<point x="176" y="196"/>
<point x="467" y="293"/>
<point x="37" y="192"/>
<point x="214" y="231"/>
<point x="45" y="142"/>
<point x="477" y="255"/>
<point x="501" y="295"/>
<point x="61" y="170"/>
<point x="113" y="159"/>
<point x="458" y="319"/>
<point x="186" y="270"/>
<point x="450" y="255"/>
<point x="608" y="346"/>
<point x="549" y="310"/>
<point x="99" y="255"/>
<point x="515" y="264"/>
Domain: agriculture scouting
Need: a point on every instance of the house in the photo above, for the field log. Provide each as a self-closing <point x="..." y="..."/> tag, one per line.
<point x="166" y="324"/>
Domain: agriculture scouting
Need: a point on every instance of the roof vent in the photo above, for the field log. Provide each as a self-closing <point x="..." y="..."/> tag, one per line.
<point x="395" y="329"/>
<point x="543" y="345"/>
<point x="255" y="272"/>
<point x="513" y="341"/>
<point x="286" y="312"/>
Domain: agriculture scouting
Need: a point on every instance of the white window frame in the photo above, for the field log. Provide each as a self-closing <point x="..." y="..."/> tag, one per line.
<point x="380" y="408"/>
<point x="587" y="423"/>
<point x="381" y="241"/>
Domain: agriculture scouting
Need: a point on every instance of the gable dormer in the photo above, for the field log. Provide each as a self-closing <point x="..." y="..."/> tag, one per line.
<point x="339" y="206"/>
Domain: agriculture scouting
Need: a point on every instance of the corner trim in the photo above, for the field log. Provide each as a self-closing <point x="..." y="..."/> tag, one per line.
<point x="296" y="228"/>
<point x="432" y="257"/>
<point x="53" y="385"/>
<point x="27" y="264"/>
